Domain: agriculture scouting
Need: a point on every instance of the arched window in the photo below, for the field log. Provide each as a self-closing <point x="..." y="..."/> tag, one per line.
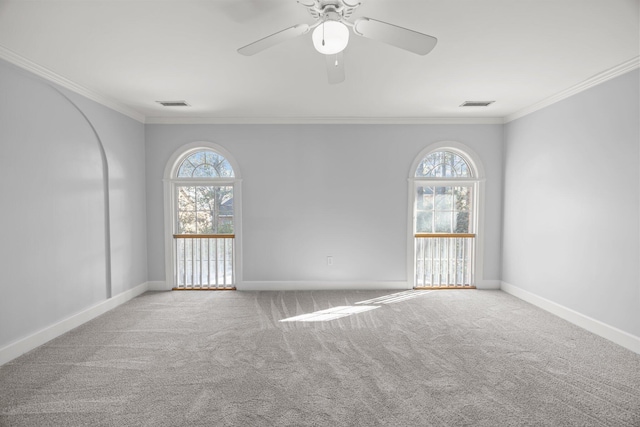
<point x="205" y="163"/>
<point x="444" y="207"/>
<point x="204" y="209"/>
<point x="202" y="192"/>
<point x="445" y="186"/>
<point x="444" y="164"/>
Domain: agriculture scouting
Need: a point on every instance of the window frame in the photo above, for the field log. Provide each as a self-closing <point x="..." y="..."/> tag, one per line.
<point x="463" y="182"/>
<point x="197" y="183"/>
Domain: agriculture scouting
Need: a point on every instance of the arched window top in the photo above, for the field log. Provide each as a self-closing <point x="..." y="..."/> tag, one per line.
<point x="205" y="164"/>
<point x="444" y="164"/>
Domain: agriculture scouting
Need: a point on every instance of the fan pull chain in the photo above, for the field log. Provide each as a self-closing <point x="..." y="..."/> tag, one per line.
<point x="323" y="34"/>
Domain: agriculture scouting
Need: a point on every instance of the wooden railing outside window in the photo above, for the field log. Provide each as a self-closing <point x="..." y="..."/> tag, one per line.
<point x="444" y="260"/>
<point x="204" y="261"/>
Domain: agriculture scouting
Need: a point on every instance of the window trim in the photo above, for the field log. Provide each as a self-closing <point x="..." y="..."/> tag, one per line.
<point x="478" y="181"/>
<point x="171" y="182"/>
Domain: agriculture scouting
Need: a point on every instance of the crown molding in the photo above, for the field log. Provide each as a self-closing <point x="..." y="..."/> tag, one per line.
<point x="22" y="62"/>
<point x="599" y="78"/>
<point x="326" y="120"/>
<point x="18" y="60"/>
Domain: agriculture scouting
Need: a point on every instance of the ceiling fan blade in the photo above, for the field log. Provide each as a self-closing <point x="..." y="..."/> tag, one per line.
<point x="273" y="39"/>
<point x="335" y="68"/>
<point x="403" y="38"/>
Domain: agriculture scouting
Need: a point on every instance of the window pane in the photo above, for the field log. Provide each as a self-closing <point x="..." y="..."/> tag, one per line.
<point x="203" y="198"/>
<point x="462" y="206"/>
<point x="444" y="198"/>
<point x="424" y="199"/>
<point x="427" y="198"/>
<point x="186" y="223"/>
<point x="204" y="222"/>
<point x="462" y="223"/>
<point x="443" y="222"/>
<point x="186" y="198"/>
<point x="462" y="196"/>
<point x="424" y="222"/>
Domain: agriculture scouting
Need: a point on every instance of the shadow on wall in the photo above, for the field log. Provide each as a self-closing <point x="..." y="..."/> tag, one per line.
<point x="54" y="178"/>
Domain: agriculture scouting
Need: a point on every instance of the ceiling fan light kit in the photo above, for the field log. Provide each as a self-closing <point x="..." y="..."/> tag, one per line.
<point x="330" y="37"/>
<point x="331" y="34"/>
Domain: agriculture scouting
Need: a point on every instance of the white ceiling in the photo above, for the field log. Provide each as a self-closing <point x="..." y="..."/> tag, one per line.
<point x="135" y="52"/>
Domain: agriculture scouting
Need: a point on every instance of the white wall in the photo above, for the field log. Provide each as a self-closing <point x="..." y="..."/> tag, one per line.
<point x="53" y="253"/>
<point x="571" y="203"/>
<point x="123" y="140"/>
<point x="310" y="191"/>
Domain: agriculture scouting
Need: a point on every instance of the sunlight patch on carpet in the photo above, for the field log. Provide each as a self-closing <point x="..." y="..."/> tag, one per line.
<point x="329" y="314"/>
<point x="397" y="297"/>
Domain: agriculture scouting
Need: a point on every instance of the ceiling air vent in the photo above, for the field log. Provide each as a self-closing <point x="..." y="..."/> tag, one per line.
<point x="477" y="103"/>
<point x="173" y="103"/>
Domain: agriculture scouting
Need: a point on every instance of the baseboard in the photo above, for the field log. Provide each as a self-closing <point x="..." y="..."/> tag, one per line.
<point x="318" y="286"/>
<point x="158" y="286"/>
<point x="24" y="345"/>
<point x="597" y="327"/>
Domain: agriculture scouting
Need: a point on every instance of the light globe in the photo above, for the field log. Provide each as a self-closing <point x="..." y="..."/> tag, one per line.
<point x="330" y="37"/>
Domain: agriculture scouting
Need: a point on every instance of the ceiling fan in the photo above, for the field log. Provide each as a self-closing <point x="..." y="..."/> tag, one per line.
<point x="331" y="34"/>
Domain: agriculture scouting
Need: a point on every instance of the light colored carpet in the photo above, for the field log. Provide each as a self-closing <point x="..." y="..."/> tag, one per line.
<point x="440" y="358"/>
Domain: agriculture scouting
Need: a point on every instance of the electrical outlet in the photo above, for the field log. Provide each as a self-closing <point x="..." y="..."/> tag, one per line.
<point x="329" y="260"/>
